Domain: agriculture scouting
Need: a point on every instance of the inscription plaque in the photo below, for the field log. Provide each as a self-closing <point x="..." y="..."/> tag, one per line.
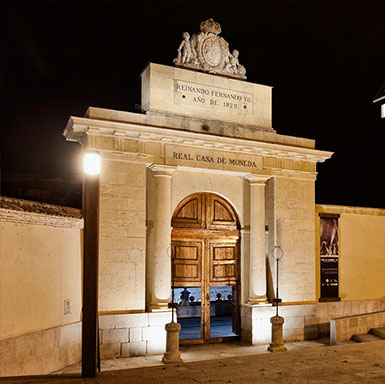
<point x="201" y="158"/>
<point x="209" y="97"/>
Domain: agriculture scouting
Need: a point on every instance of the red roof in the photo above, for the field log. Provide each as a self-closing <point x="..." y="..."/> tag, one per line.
<point x="36" y="207"/>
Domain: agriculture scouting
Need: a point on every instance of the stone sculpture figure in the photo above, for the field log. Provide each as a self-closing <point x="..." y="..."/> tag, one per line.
<point x="188" y="51"/>
<point x="233" y="65"/>
<point x="209" y="52"/>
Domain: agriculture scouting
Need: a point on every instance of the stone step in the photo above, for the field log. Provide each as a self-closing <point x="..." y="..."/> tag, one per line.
<point x="364" y="338"/>
<point x="379" y="332"/>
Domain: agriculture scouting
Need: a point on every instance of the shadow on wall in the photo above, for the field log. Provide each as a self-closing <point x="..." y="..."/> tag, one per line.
<point x="269" y="282"/>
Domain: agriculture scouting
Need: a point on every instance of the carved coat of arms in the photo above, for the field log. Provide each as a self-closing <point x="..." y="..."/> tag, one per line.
<point x="209" y="52"/>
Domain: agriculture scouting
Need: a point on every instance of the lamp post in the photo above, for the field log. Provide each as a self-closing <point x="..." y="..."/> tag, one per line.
<point x="91" y="167"/>
<point x="278" y="256"/>
<point x="172" y="354"/>
<point x="277" y="321"/>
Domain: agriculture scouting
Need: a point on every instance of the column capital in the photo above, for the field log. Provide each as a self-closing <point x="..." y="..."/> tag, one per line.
<point x="257" y="179"/>
<point x="162" y="170"/>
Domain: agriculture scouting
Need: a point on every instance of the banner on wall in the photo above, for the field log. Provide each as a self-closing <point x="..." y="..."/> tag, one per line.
<point x="329" y="250"/>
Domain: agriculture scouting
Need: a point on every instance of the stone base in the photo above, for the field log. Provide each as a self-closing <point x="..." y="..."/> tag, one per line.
<point x="172" y="354"/>
<point x="276" y="344"/>
<point x="277" y="348"/>
<point x="172" y="357"/>
<point x="259" y="300"/>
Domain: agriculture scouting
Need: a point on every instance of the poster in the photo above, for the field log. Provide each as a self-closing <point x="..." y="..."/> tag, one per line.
<point x="329" y="250"/>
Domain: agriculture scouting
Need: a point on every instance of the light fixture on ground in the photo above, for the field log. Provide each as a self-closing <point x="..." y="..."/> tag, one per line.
<point x="277" y="321"/>
<point x="90" y="344"/>
<point x="172" y="354"/>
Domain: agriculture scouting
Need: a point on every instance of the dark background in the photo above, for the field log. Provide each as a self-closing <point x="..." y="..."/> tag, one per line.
<point x="325" y="59"/>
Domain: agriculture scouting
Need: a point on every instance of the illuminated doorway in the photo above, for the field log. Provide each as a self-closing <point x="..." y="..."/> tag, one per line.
<point x="205" y="267"/>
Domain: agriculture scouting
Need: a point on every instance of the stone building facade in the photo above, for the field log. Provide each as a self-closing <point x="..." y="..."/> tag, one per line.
<point x="197" y="191"/>
<point x="200" y="133"/>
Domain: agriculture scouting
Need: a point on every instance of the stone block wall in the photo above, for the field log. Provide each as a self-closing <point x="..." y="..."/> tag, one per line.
<point x="345" y="327"/>
<point x="40" y="353"/>
<point x="295" y="233"/>
<point x="302" y="322"/>
<point x="134" y="334"/>
<point x="122" y="236"/>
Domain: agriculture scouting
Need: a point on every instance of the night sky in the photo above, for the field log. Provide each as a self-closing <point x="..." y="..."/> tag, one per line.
<point x="324" y="58"/>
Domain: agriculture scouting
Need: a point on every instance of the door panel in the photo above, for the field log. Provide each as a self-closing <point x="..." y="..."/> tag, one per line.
<point x="187" y="260"/>
<point x="220" y="214"/>
<point x="191" y="212"/>
<point x="223" y="262"/>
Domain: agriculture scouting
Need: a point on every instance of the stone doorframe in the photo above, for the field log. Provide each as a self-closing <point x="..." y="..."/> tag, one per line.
<point x="158" y="275"/>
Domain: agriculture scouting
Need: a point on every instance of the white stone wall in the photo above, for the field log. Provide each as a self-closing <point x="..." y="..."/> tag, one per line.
<point x="122" y="236"/>
<point x="40" y="353"/>
<point x="344" y="328"/>
<point x="133" y="334"/>
<point x="302" y="322"/>
<point x="294" y="224"/>
<point x="40" y="268"/>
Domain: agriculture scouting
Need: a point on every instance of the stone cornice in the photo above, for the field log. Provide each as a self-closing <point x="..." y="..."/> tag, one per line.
<point x="12" y="216"/>
<point x="343" y="209"/>
<point x="257" y="179"/>
<point x="162" y="170"/>
<point x="78" y="127"/>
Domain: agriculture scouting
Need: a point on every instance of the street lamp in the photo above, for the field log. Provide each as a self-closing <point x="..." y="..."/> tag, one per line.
<point x="172" y="354"/>
<point x="91" y="168"/>
<point x="277" y="250"/>
<point x="277" y="321"/>
<point x="91" y="164"/>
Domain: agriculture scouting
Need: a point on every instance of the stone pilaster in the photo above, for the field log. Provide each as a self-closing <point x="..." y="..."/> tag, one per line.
<point x="257" y="267"/>
<point x="160" y="258"/>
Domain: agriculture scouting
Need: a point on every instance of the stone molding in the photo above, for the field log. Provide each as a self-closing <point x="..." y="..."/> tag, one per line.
<point x="257" y="179"/>
<point x="343" y="209"/>
<point x="79" y="127"/>
<point x="162" y="170"/>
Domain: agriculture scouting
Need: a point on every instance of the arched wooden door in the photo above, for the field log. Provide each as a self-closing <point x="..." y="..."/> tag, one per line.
<point x="205" y="259"/>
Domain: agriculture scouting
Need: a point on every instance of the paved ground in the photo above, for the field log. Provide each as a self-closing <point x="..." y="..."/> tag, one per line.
<point x="348" y="363"/>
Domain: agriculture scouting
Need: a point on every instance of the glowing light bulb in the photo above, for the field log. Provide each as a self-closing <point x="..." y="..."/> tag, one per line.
<point x="91" y="164"/>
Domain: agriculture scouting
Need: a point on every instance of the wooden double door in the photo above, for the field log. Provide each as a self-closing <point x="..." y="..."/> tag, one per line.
<point x="205" y="255"/>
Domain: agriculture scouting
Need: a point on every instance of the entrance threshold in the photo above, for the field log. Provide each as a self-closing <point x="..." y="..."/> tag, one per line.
<point x="191" y="353"/>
